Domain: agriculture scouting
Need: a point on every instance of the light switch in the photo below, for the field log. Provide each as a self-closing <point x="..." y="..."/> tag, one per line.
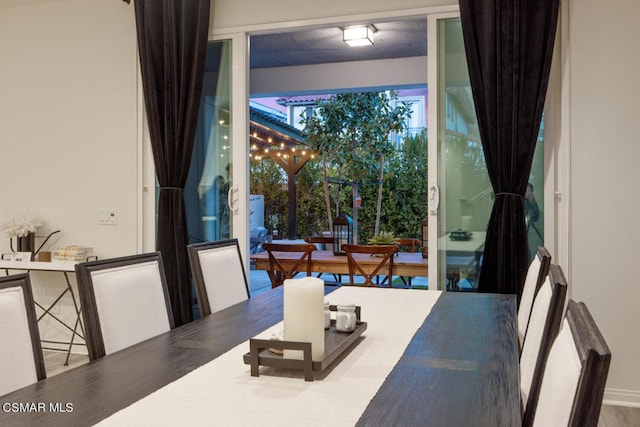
<point x="107" y="216"/>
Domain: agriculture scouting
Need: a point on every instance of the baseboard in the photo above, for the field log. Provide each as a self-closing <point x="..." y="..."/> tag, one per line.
<point x="618" y="397"/>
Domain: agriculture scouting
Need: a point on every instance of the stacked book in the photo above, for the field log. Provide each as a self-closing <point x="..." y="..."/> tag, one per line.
<point x="72" y="253"/>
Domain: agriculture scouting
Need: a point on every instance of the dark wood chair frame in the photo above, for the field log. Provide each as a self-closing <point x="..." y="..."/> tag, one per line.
<point x="385" y="254"/>
<point x="408" y="242"/>
<point x="544" y="257"/>
<point x="328" y="242"/>
<point x="595" y="358"/>
<point x="196" y="270"/>
<point x="94" y="337"/>
<point x="23" y="281"/>
<point x="551" y="329"/>
<point x="278" y="273"/>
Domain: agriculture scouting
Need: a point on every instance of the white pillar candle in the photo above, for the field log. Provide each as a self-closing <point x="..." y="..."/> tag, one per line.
<point x="304" y="315"/>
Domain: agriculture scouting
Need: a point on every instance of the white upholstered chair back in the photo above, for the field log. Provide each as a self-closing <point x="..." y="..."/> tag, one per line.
<point x="536" y="274"/>
<point x="21" y="361"/>
<point x="544" y="323"/>
<point x="575" y="374"/>
<point x="124" y="301"/>
<point x="218" y="274"/>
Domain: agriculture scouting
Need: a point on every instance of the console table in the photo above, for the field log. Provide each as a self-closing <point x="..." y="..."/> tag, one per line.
<point x="65" y="267"/>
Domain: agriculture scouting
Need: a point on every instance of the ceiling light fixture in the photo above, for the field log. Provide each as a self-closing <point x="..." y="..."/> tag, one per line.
<point x="361" y="35"/>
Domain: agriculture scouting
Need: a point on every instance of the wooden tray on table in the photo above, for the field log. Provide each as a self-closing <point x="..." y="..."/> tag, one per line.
<point x="335" y="343"/>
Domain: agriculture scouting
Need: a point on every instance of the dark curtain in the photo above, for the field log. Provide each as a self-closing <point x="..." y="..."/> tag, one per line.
<point x="172" y="43"/>
<point x="509" y="45"/>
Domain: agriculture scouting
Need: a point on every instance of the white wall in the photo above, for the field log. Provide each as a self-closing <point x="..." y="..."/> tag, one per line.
<point x="605" y="151"/>
<point x="68" y="124"/>
<point x="68" y="127"/>
<point x="323" y="78"/>
<point x="229" y="14"/>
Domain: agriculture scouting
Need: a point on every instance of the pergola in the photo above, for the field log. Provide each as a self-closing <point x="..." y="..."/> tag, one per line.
<point x="271" y="138"/>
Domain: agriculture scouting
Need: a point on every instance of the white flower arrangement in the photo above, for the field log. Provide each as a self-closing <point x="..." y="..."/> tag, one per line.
<point x="21" y="223"/>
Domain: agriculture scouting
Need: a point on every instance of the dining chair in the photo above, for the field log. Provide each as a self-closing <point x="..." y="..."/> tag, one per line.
<point x="281" y="269"/>
<point x="124" y="300"/>
<point x="544" y="324"/>
<point x="382" y="254"/>
<point x="575" y="374"/>
<point x="218" y="275"/>
<point x="21" y="360"/>
<point x="324" y="243"/>
<point x="321" y="242"/>
<point x="536" y="274"/>
<point x="407" y="245"/>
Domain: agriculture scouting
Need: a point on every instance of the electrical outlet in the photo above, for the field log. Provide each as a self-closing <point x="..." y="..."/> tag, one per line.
<point x="107" y="216"/>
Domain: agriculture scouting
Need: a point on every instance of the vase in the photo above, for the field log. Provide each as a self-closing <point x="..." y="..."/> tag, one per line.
<point x="26" y="243"/>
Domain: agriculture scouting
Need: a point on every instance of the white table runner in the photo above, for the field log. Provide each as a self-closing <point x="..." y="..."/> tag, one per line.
<point x="223" y="392"/>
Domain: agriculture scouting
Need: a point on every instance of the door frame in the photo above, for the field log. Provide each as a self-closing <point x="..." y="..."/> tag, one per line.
<point x="434" y="197"/>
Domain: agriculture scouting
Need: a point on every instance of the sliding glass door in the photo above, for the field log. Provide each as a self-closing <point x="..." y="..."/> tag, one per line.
<point x="460" y="192"/>
<point x="214" y="197"/>
<point x="210" y="176"/>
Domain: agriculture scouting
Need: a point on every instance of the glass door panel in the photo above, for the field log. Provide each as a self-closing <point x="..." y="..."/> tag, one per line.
<point x="460" y="183"/>
<point x="207" y="192"/>
<point x="466" y="195"/>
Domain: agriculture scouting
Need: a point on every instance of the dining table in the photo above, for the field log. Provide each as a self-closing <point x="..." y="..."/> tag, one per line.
<point x="427" y="358"/>
<point x="407" y="264"/>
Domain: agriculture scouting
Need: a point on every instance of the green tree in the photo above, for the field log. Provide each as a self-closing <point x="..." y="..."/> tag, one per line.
<point x="405" y="192"/>
<point x="268" y="178"/>
<point x="351" y="133"/>
<point x="309" y="199"/>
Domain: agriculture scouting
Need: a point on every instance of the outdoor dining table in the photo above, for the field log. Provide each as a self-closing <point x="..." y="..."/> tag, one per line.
<point x="325" y="261"/>
<point x="426" y="358"/>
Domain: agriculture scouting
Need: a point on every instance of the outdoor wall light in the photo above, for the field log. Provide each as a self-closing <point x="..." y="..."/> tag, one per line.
<point x="361" y="35"/>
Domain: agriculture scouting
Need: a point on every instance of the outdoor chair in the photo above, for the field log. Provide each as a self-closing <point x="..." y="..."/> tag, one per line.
<point x="21" y="360"/>
<point x="575" y="374"/>
<point x="282" y="268"/>
<point x="218" y="275"/>
<point x="536" y="275"/>
<point x="407" y="245"/>
<point x="382" y="254"/>
<point x="324" y="243"/>
<point x="124" y="301"/>
<point x="546" y="317"/>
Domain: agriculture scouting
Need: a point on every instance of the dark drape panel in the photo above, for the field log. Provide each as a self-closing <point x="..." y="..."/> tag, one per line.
<point x="172" y="43"/>
<point x="509" y="45"/>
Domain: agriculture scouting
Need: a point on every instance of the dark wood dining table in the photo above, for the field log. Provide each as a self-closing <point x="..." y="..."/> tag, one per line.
<point x="324" y="261"/>
<point x="460" y="368"/>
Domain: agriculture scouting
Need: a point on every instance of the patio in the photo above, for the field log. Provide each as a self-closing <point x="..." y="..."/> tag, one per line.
<point x="259" y="282"/>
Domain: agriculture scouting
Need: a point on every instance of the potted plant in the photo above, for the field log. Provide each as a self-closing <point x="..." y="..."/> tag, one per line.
<point x="22" y="225"/>
<point x="383" y="238"/>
